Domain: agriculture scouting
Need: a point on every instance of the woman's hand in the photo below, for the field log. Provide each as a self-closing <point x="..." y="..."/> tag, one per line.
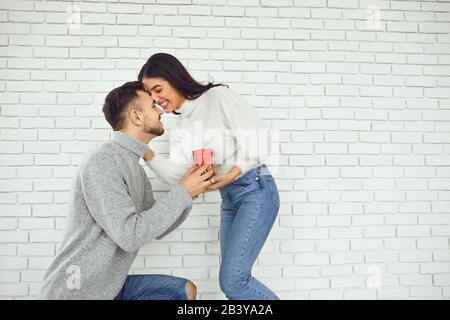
<point x="223" y="179"/>
<point x="148" y="155"/>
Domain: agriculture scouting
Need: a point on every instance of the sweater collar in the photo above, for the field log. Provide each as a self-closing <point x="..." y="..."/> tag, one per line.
<point x="128" y="142"/>
<point x="187" y="107"/>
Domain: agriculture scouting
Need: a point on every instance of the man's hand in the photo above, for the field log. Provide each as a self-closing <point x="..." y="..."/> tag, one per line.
<point x="197" y="179"/>
<point x="148" y="155"/>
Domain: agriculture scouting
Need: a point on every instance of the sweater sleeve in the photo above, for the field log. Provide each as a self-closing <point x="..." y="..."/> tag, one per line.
<point x="106" y="196"/>
<point x="177" y="223"/>
<point x="251" y="134"/>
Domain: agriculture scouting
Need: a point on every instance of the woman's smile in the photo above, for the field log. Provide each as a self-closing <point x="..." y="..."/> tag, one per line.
<point x="163" y="104"/>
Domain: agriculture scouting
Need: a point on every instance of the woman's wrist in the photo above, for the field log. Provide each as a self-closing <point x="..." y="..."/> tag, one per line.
<point x="233" y="173"/>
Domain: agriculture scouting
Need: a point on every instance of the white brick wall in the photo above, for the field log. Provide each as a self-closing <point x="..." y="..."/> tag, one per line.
<point x="359" y="108"/>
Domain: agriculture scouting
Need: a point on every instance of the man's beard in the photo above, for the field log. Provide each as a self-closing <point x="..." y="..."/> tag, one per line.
<point x="154" y="131"/>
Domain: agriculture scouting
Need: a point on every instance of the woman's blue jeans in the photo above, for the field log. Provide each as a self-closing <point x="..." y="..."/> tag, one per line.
<point x="249" y="208"/>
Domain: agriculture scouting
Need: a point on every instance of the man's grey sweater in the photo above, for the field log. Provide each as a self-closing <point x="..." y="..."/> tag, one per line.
<point x="112" y="214"/>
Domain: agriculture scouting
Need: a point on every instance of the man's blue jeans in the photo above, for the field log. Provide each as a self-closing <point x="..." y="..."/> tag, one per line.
<point x="249" y="208"/>
<point x="153" y="287"/>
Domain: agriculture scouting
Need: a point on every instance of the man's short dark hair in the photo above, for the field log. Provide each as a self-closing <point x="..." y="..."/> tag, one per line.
<point x="118" y="100"/>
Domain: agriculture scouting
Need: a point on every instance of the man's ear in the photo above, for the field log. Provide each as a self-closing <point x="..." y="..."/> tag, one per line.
<point x="136" y="116"/>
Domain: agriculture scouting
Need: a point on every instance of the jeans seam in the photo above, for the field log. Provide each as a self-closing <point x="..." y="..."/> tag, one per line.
<point x="264" y="198"/>
<point x="273" y="191"/>
<point x="249" y="235"/>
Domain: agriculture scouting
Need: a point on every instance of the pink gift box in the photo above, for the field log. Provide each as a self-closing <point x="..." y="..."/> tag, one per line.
<point x="203" y="156"/>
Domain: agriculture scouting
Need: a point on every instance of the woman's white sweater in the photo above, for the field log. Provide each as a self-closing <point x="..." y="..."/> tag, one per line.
<point x="221" y="120"/>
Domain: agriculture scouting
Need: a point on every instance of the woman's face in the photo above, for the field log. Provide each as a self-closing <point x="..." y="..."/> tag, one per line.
<point x="166" y="95"/>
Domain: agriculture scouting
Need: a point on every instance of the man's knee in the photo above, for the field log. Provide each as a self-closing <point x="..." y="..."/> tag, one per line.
<point x="191" y="290"/>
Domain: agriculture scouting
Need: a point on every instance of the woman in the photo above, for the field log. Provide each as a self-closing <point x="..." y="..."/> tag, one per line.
<point x="213" y="116"/>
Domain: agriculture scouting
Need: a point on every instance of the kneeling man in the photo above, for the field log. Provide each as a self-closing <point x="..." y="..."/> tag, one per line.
<point x="113" y="213"/>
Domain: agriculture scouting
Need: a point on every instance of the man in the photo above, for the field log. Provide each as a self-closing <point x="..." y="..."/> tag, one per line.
<point x="113" y="212"/>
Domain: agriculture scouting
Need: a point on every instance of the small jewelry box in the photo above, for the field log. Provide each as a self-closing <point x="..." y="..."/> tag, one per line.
<point x="203" y="156"/>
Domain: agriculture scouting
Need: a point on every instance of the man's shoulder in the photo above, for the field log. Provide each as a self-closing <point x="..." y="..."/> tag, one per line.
<point x="104" y="154"/>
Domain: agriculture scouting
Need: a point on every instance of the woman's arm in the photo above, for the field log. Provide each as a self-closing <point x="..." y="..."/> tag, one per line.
<point x="224" y="179"/>
<point x="166" y="170"/>
<point x="169" y="170"/>
<point x="250" y="132"/>
<point x="251" y="135"/>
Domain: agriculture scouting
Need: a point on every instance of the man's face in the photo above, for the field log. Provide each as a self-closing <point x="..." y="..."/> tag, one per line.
<point x="151" y="123"/>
